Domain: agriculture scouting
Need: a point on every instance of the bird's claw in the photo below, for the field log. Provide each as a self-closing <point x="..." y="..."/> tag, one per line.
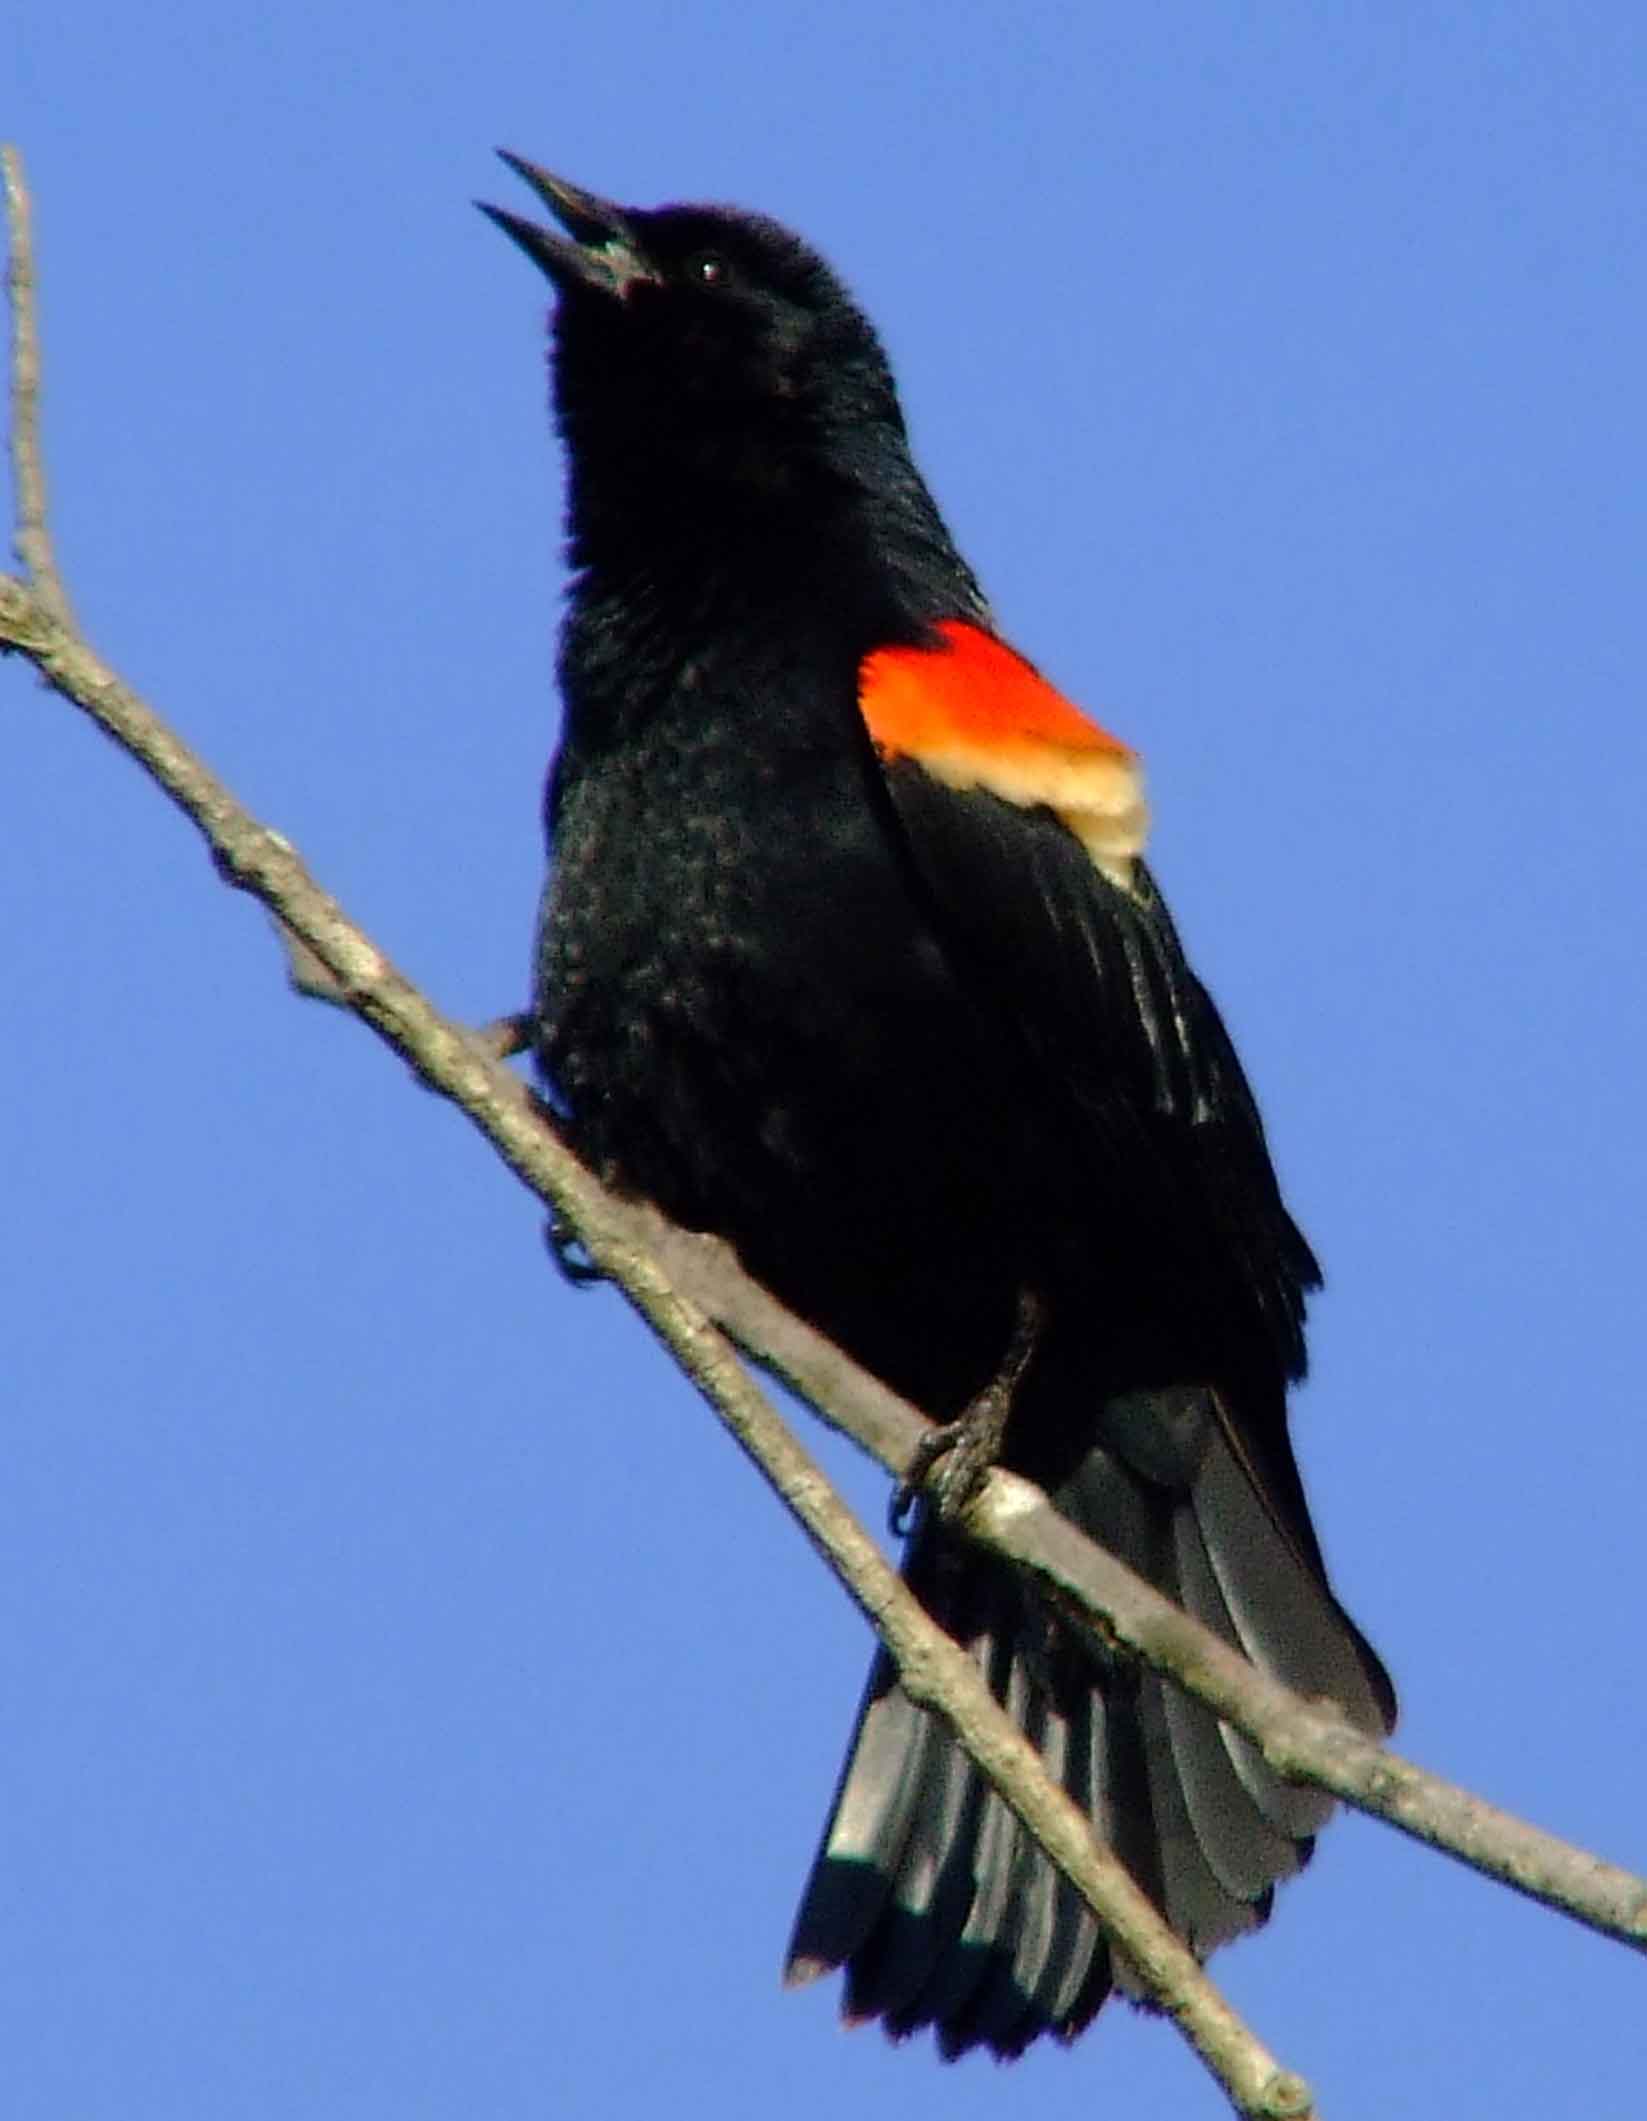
<point x="968" y="1444"/>
<point x="971" y="1443"/>
<point x="569" y="1252"/>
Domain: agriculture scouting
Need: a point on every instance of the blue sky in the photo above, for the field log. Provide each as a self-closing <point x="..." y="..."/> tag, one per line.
<point x="414" y="1707"/>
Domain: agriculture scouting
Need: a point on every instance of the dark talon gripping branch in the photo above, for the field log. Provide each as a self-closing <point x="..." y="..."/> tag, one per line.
<point x="971" y="1444"/>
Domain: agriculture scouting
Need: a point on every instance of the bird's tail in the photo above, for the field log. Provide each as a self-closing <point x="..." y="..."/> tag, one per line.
<point x="926" y="1888"/>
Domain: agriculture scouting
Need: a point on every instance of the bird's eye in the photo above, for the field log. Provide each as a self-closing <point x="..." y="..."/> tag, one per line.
<point x="709" y="269"/>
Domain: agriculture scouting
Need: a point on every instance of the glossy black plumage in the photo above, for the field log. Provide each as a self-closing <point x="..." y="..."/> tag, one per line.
<point x="915" y="1053"/>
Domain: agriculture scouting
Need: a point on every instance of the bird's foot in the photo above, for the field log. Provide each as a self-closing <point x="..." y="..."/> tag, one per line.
<point x="970" y="1445"/>
<point x="569" y="1252"/>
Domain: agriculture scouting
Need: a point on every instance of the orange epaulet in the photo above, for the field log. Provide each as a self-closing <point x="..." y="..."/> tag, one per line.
<point x="974" y="714"/>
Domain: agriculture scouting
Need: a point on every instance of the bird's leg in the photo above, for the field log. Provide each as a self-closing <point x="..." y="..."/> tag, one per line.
<point x="971" y="1443"/>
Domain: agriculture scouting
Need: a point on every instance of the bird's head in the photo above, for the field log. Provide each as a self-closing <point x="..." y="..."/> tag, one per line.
<point x="713" y="343"/>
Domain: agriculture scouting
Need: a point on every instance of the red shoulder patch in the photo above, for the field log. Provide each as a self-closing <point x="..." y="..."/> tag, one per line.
<point x="973" y="689"/>
<point x="974" y="714"/>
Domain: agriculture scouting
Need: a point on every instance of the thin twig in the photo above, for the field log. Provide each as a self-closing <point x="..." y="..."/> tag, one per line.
<point x="32" y="540"/>
<point x="1304" y="1741"/>
<point x="506" y="1036"/>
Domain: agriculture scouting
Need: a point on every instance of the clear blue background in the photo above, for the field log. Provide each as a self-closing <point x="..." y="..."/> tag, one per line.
<point x="412" y="1705"/>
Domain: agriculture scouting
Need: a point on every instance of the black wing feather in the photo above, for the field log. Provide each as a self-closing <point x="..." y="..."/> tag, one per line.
<point x="1111" y="1022"/>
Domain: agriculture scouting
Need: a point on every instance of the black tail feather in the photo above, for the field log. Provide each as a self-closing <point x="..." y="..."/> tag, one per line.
<point x="929" y="1892"/>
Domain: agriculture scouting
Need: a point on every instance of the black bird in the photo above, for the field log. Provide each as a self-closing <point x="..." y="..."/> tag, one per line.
<point x="849" y="953"/>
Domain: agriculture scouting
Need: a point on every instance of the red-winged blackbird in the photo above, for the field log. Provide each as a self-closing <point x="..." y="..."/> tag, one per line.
<point x="848" y="953"/>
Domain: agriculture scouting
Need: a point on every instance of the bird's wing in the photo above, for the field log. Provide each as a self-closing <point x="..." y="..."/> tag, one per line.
<point x="1024" y="824"/>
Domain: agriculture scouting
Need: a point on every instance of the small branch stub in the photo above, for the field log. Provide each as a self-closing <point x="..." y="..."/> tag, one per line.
<point x="32" y="540"/>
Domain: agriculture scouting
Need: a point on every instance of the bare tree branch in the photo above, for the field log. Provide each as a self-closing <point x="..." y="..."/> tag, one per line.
<point x="307" y="976"/>
<point x="32" y="541"/>
<point x="693" y="1293"/>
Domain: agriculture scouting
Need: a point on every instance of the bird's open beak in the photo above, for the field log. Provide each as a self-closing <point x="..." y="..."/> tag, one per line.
<point x="602" y="252"/>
